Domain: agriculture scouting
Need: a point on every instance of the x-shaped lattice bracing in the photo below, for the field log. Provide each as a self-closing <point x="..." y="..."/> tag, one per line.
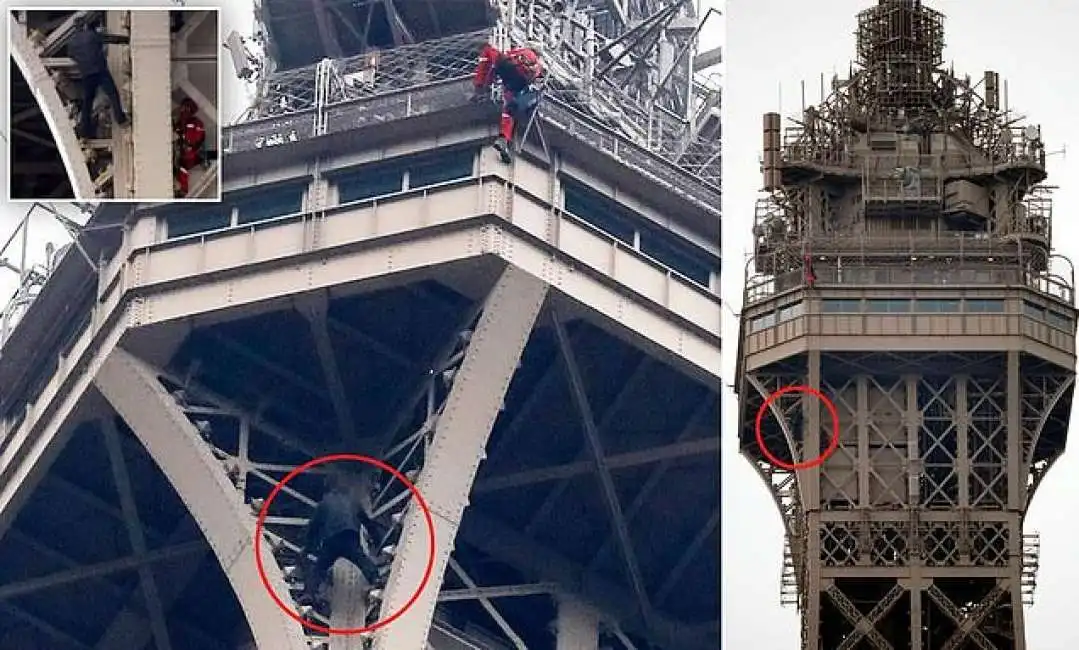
<point x="987" y="436"/>
<point x="886" y="412"/>
<point x="938" y="426"/>
<point x="940" y="543"/>
<point x="864" y="626"/>
<point x="967" y="623"/>
<point x="840" y="476"/>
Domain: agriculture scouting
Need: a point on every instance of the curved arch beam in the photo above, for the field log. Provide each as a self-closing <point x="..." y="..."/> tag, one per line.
<point x="132" y="388"/>
<point x="459" y="444"/>
<point x="63" y="133"/>
<point x="1028" y="458"/>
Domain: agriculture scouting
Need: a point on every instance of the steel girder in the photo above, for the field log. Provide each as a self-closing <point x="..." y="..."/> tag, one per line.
<point x="133" y="389"/>
<point x="458" y="446"/>
<point x="927" y="487"/>
<point x="52" y="107"/>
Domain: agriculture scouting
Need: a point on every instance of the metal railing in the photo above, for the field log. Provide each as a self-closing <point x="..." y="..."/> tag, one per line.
<point x="691" y="142"/>
<point x="762" y="287"/>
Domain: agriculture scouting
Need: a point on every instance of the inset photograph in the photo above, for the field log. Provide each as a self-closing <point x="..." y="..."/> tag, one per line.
<point x="114" y="104"/>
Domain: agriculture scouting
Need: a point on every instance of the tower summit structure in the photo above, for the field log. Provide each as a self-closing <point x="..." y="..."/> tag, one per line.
<point x="534" y="344"/>
<point x="903" y="268"/>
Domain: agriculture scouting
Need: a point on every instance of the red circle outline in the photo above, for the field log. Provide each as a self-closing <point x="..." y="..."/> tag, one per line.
<point x="805" y="464"/>
<point x="260" y="524"/>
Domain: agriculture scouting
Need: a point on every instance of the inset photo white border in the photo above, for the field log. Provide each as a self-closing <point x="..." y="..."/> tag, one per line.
<point x="92" y="167"/>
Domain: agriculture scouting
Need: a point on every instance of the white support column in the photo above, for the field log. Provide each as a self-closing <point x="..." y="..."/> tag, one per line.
<point x="455" y="454"/>
<point x="120" y="59"/>
<point x="132" y="388"/>
<point x="348" y="605"/>
<point x="577" y="625"/>
<point x="151" y="104"/>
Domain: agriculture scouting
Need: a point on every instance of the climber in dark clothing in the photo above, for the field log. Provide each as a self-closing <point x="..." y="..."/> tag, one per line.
<point x="86" y="48"/>
<point x="335" y="529"/>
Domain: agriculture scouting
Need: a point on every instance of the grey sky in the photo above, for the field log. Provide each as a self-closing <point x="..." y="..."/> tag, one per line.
<point x="782" y="42"/>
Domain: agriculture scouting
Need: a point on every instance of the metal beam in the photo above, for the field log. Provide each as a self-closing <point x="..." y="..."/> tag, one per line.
<point x="327" y="30"/>
<point x="501" y="622"/>
<point x="655" y="479"/>
<point x="314" y="310"/>
<point x="471" y="408"/>
<point x="131" y="386"/>
<point x="541" y="563"/>
<point x="54" y="632"/>
<point x="506" y="591"/>
<point x="81" y="573"/>
<point x="686" y="560"/>
<point x="135" y="534"/>
<point x="608" y="417"/>
<point x="151" y="108"/>
<point x="595" y="445"/>
<point x="666" y="455"/>
<point x="129" y="629"/>
<point x="134" y="617"/>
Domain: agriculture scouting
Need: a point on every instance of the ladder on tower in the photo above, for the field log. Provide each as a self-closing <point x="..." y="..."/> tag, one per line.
<point x="283" y="530"/>
<point x="1031" y="560"/>
<point x="788" y="581"/>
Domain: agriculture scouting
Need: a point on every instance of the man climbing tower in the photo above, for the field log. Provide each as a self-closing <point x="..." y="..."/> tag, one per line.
<point x="190" y="137"/>
<point x="519" y="69"/>
<point x="86" y="48"/>
<point x="335" y="530"/>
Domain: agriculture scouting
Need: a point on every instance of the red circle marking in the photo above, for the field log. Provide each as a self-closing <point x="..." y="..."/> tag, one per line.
<point x="260" y="524"/>
<point x="805" y="464"/>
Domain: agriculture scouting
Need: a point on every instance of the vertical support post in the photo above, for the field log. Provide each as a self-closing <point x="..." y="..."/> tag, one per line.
<point x="459" y="445"/>
<point x="1015" y="435"/>
<point x="962" y="440"/>
<point x="151" y="105"/>
<point x="348" y="605"/>
<point x="577" y="625"/>
<point x="119" y="59"/>
<point x="809" y="481"/>
<point x="861" y="418"/>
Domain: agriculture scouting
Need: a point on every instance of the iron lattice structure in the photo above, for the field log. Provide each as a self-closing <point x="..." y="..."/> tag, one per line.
<point x="906" y="214"/>
<point x="634" y="71"/>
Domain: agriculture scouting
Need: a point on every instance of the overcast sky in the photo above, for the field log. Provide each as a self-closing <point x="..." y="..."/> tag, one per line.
<point x="774" y="43"/>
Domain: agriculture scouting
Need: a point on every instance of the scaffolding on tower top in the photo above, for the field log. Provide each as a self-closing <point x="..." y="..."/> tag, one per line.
<point x="641" y="77"/>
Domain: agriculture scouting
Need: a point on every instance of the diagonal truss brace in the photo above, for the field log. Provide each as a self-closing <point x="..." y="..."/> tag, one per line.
<point x="131" y="386"/>
<point x="457" y="447"/>
<point x="967" y="624"/>
<point x="864" y="626"/>
<point x="610" y="494"/>
<point x="135" y="533"/>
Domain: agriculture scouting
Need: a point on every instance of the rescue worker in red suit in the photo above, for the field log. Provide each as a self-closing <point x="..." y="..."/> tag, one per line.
<point x="518" y="69"/>
<point x="190" y="137"/>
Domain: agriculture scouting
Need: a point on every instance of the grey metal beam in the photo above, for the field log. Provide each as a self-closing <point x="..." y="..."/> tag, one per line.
<point x="540" y="563"/>
<point x="314" y="309"/>
<point x="132" y="387"/>
<point x="81" y="573"/>
<point x="506" y="591"/>
<point x="608" y="417"/>
<point x="655" y="479"/>
<point x="686" y="560"/>
<point x="665" y="455"/>
<point x="462" y="430"/>
<point x="135" y="534"/>
<point x="610" y="494"/>
<point x="501" y="622"/>
<point x="54" y="632"/>
<point x="401" y="33"/>
<point x="129" y="630"/>
<point x="327" y="31"/>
